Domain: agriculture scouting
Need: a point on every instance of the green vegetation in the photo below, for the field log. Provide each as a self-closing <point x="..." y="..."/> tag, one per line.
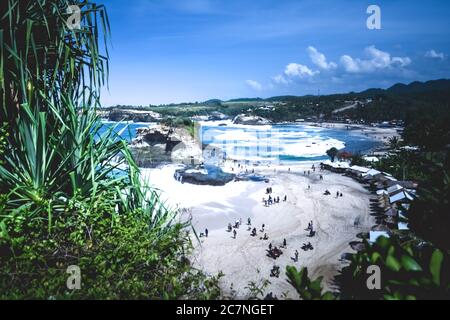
<point x="3" y="141"/>
<point x="408" y="272"/>
<point x="62" y="200"/>
<point x="181" y="122"/>
<point x="429" y="215"/>
<point x="306" y="288"/>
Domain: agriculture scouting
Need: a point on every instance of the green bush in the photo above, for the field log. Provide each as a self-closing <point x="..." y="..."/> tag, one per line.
<point x="429" y="216"/>
<point x="119" y="257"/>
<point x="408" y="271"/>
<point x="306" y="288"/>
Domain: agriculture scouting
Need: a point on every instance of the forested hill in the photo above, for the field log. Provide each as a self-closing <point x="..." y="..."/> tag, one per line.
<point x="413" y="88"/>
<point x="399" y="102"/>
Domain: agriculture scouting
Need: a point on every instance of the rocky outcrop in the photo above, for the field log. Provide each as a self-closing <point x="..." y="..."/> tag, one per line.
<point x="163" y="144"/>
<point x="131" y="115"/>
<point x="217" y="116"/>
<point x="160" y="136"/>
<point x="204" y="175"/>
<point x="250" y="120"/>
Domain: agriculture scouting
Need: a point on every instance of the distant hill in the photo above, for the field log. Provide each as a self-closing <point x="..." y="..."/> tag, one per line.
<point x="246" y="100"/>
<point x="413" y="87"/>
<point x="213" y="102"/>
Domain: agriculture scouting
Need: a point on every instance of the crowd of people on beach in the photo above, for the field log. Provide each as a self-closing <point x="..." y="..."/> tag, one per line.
<point x="275" y="251"/>
<point x="272" y="200"/>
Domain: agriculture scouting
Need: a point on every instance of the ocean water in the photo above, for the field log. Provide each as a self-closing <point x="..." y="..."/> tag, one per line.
<point x="282" y="143"/>
<point x="126" y="130"/>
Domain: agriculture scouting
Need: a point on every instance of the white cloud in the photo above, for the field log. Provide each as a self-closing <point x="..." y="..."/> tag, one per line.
<point x="255" y="85"/>
<point x="280" y="79"/>
<point x="350" y="65"/>
<point x="433" y="54"/>
<point x="378" y="60"/>
<point x="299" y="70"/>
<point x="320" y="60"/>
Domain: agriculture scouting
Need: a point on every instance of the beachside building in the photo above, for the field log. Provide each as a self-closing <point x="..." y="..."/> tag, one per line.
<point x="400" y="197"/>
<point x="338" y="166"/>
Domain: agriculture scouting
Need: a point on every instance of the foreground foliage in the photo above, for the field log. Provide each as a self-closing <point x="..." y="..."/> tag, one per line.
<point x="408" y="272"/>
<point x="306" y="288"/>
<point x="70" y="191"/>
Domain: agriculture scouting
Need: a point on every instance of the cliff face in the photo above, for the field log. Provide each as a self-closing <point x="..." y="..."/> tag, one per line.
<point x="163" y="144"/>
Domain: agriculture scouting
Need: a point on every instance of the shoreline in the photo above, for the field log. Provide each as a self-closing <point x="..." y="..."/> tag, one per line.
<point x="337" y="220"/>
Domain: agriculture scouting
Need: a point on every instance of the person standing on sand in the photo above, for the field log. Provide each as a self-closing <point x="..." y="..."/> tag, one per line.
<point x="234" y="233"/>
<point x="206" y="233"/>
<point x="285" y="198"/>
<point x="284" y="243"/>
<point x="270" y="246"/>
<point x="296" y="255"/>
<point x="249" y="221"/>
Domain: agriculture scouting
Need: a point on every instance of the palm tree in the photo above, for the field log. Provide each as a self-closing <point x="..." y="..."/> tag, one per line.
<point x="394" y="142"/>
<point x="332" y="153"/>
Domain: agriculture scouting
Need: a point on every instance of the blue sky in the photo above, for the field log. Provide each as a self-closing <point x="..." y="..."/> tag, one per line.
<point x="165" y="51"/>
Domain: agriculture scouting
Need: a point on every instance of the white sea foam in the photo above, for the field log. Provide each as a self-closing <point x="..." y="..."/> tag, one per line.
<point x="240" y="135"/>
<point x="269" y="142"/>
<point x="312" y="147"/>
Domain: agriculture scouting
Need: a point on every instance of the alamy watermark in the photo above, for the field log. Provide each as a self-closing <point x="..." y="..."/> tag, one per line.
<point x="374" y="280"/>
<point x="73" y="22"/>
<point x="374" y="20"/>
<point x="74" y="280"/>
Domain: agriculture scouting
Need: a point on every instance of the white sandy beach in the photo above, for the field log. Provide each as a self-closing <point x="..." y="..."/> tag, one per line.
<point x="244" y="259"/>
<point x="377" y="133"/>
